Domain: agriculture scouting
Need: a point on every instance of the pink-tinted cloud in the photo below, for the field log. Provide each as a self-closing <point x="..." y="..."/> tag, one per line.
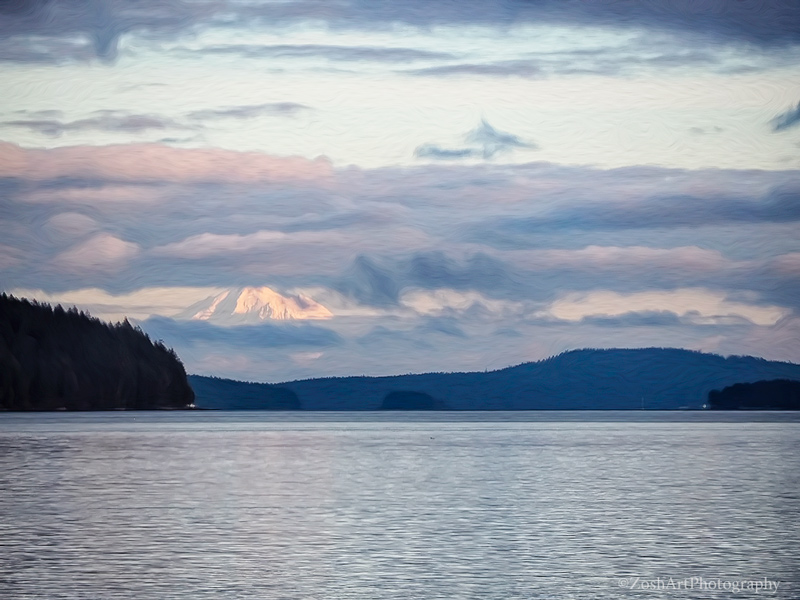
<point x="701" y="305"/>
<point x="103" y="252"/>
<point x="156" y="162"/>
<point x="787" y="264"/>
<point x="10" y="256"/>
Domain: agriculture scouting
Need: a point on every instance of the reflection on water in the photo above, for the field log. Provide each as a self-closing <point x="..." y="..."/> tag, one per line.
<point x="450" y="505"/>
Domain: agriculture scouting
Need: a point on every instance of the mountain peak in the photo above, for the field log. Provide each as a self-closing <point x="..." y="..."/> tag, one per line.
<point x="254" y="304"/>
<point x="269" y="304"/>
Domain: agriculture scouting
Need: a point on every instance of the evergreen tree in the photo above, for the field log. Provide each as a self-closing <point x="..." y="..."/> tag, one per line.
<point x="56" y="359"/>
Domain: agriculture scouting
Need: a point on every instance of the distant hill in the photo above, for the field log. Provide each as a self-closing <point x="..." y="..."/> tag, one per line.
<point x="650" y="378"/>
<point x="778" y="394"/>
<point x="410" y="401"/>
<point x="228" y="394"/>
<point x="56" y="359"/>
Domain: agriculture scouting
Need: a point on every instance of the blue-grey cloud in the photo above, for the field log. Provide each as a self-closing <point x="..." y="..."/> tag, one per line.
<point x="434" y="151"/>
<point x="661" y="54"/>
<point x="267" y="335"/>
<point x="786" y="120"/>
<point x="381" y="337"/>
<point x="370" y="283"/>
<point x="528" y="69"/>
<point x="493" y="142"/>
<point x="706" y="130"/>
<point x="44" y="51"/>
<point x="57" y="24"/>
<point x="380" y="281"/>
<point x="484" y="141"/>
<point x="103" y="120"/>
<point x="283" y="109"/>
<point x="381" y="54"/>
<point x="770" y="22"/>
<point x="445" y="325"/>
<point x="41" y="114"/>
<point x="780" y="205"/>
<point x="635" y="319"/>
<point x="60" y="22"/>
<point x="432" y="270"/>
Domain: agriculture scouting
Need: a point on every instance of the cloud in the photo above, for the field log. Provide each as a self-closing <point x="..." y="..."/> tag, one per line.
<point x="435" y="270"/>
<point x="41" y="114"/>
<point x="484" y="141"/>
<point x="10" y="256"/>
<point x="103" y="252"/>
<point x="69" y="225"/>
<point x="651" y="52"/>
<point x="619" y="257"/>
<point x="385" y="281"/>
<point x="282" y="109"/>
<point x="36" y="49"/>
<point x="701" y="305"/>
<point x="442" y="325"/>
<point x="433" y="151"/>
<point x="328" y="52"/>
<point x="706" y="130"/>
<point x="55" y="30"/>
<point x="370" y="283"/>
<point x="87" y="194"/>
<point x="770" y="22"/>
<point x="415" y="250"/>
<point x="444" y="301"/>
<point x="155" y="162"/>
<point x="254" y="337"/>
<point x="527" y="69"/>
<point x="493" y="142"/>
<point x="208" y="245"/>
<point x="787" y="263"/>
<point x="786" y="120"/>
<point x="104" y="120"/>
<point x="778" y="205"/>
<point x="66" y="26"/>
<point x="635" y="319"/>
<point x="139" y="304"/>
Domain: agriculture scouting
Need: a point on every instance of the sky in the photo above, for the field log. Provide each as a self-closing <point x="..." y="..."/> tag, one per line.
<point x="464" y="185"/>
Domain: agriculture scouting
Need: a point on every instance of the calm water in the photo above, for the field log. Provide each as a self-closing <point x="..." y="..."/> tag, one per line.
<point x="407" y="505"/>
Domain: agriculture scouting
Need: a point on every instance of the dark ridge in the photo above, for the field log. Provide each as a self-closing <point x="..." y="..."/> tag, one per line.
<point x="410" y="401"/>
<point x="778" y="394"/>
<point x="613" y="379"/>
<point x="56" y="359"/>
<point x="228" y="394"/>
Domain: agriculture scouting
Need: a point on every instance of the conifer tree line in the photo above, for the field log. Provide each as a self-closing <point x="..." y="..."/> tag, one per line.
<point x="57" y="359"/>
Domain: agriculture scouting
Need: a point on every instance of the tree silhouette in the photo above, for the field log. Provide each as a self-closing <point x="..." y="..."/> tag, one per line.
<point x="56" y="359"/>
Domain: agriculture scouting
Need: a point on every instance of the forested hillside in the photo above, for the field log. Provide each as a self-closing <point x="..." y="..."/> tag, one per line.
<point x="620" y="379"/>
<point x="613" y="379"/>
<point x="56" y="359"/>
<point x="227" y="394"/>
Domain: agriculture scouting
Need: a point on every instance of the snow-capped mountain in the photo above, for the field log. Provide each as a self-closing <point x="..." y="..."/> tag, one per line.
<point x="252" y="305"/>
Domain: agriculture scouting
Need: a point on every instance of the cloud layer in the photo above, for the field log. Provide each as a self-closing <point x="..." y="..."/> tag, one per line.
<point x="154" y="163"/>
<point x="463" y="185"/>
<point x="419" y="266"/>
<point x="103" y="22"/>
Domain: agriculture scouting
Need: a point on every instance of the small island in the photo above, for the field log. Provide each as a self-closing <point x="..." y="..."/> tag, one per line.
<point x="777" y="394"/>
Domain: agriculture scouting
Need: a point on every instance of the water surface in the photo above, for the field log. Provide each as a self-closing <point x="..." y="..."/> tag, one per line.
<point x="528" y="505"/>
